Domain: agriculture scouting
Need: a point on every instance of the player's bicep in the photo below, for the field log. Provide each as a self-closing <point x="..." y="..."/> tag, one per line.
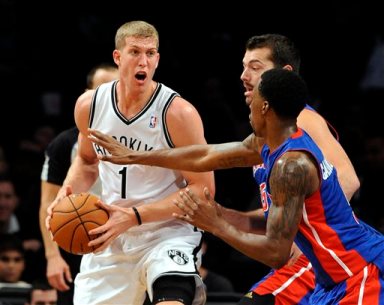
<point x="85" y="150"/>
<point x="82" y="109"/>
<point x="289" y="185"/>
<point x="185" y="127"/>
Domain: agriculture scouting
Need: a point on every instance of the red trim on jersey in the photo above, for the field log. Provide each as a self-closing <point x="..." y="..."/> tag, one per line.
<point x="297" y="134"/>
<point x="330" y="240"/>
<point x="289" y="284"/>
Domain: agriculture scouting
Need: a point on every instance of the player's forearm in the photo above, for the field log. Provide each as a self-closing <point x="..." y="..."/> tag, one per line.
<point x="81" y="176"/>
<point x="349" y="181"/>
<point x="251" y="221"/>
<point x="163" y="209"/>
<point x="48" y="194"/>
<point x="197" y="158"/>
<point x="274" y="253"/>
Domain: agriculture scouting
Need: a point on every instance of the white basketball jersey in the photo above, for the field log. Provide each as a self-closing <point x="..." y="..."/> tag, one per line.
<point x="142" y="254"/>
<point x="147" y="130"/>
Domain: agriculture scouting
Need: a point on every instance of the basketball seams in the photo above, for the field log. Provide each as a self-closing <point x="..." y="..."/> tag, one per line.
<point x="72" y="233"/>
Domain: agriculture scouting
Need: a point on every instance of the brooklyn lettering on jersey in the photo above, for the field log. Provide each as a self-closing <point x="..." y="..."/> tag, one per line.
<point x="131" y="143"/>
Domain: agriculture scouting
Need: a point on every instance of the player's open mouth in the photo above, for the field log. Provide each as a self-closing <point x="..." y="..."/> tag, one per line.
<point x="141" y="76"/>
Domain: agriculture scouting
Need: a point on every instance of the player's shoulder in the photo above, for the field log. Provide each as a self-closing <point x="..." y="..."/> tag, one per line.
<point x="83" y="108"/>
<point x="181" y="112"/>
<point x="309" y="117"/>
<point x="181" y="107"/>
<point x="309" y="112"/>
<point x="85" y="98"/>
<point x="163" y="87"/>
<point x="297" y="166"/>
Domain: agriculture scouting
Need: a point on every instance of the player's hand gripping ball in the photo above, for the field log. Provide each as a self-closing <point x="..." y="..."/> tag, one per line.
<point x="71" y="220"/>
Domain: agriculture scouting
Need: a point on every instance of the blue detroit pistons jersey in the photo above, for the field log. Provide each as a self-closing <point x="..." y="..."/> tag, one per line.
<point x="260" y="175"/>
<point x="334" y="240"/>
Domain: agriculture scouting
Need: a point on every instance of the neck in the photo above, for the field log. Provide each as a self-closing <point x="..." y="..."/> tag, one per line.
<point x="131" y="101"/>
<point x="280" y="132"/>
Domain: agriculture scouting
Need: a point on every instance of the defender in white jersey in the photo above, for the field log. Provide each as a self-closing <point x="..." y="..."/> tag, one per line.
<point x="141" y="247"/>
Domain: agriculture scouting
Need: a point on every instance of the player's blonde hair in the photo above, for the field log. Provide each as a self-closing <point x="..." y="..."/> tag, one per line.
<point x="137" y="29"/>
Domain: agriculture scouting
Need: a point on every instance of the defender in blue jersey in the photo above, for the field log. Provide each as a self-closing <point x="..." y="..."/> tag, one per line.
<point x="309" y="206"/>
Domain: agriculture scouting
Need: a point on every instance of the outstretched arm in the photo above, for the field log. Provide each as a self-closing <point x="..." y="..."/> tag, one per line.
<point x="292" y="179"/>
<point x="196" y="158"/>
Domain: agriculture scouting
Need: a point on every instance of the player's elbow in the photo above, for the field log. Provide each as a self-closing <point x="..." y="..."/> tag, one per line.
<point x="277" y="261"/>
<point x="203" y="165"/>
<point x="208" y="182"/>
<point x="211" y="185"/>
<point x="355" y="184"/>
<point x="278" y="256"/>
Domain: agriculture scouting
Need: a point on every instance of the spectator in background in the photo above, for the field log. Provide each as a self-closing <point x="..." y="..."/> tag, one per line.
<point x="62" y="266"/>
<point x="12" y="222"/>
<point x="8" y="203"/>
<point x="12" y="260"/>
<point x="9" y="218"/>
<point x="25" y="170"/>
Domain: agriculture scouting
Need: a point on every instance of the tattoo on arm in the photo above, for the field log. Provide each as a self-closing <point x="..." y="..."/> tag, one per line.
<point x="236" y="161"/>
<point x="288" y="182"/>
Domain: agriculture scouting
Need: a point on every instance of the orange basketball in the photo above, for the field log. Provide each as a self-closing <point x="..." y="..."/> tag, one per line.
<point x="71" y="220"/>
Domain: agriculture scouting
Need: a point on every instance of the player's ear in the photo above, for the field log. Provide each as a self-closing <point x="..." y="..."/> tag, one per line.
<point x="158" y="59"/>
<point x="116" y="57"/>
<point x="265" y="107"/>
<point x="288" y="67"/>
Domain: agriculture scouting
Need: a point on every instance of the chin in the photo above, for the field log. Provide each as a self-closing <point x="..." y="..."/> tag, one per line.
<point x="254" y="131"/>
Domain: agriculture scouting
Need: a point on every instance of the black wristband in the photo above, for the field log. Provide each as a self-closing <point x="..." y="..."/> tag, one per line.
<point x="137" y="215"/>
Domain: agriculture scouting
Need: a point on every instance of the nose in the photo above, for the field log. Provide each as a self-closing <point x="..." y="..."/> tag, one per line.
<point x="143" y="60"/>
<point x="243" y="75"/>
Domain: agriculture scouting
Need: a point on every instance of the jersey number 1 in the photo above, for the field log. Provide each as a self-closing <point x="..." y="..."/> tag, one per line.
<point x="123" y="174"/>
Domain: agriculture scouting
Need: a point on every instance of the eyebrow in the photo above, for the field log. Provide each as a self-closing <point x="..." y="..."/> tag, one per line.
<point x="6" y="258"/>
<point x="255" y="61"/>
